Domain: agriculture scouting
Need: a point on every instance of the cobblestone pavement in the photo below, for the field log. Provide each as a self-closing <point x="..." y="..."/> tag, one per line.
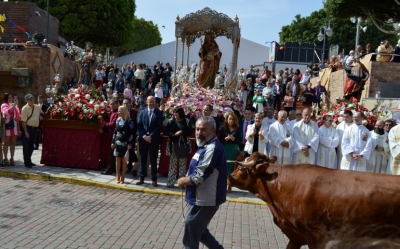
<point x="43" y="214"/>
<point x="94" y="178"/>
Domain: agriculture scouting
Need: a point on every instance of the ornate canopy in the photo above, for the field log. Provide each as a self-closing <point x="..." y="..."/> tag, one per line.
<point x="195" y="25"/>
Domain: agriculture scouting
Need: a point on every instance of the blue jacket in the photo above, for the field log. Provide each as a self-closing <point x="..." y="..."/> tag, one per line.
<point x="208" y="172"/>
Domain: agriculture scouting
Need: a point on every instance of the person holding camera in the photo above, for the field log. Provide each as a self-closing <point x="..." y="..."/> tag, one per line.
<point x="11" y="116"/>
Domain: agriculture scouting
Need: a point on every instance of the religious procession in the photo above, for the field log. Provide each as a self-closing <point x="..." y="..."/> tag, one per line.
<point x="296" y="132"/>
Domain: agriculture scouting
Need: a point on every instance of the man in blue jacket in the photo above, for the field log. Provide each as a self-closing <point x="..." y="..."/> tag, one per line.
<point x="205" y="184"/>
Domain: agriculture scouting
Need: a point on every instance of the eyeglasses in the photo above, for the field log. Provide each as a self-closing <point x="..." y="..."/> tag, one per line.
<point x="387" y="124"/>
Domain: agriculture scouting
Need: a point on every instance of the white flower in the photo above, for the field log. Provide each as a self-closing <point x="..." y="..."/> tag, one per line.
<point x="353" y="111"/>
<point x="79" y="105"/>
<point x="340" y="119"/>
<point x="96" y="106"/>
<point x="364" y="122"/>
<point x="341" y="112"/>
<point x="75" y="90"/>
<point x="85" y="111"/>
<point x="87" y="96"/>
<point x="334" y="125"/>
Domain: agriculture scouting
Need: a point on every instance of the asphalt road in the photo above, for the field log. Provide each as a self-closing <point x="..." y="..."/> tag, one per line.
<point x="36" y="214"/>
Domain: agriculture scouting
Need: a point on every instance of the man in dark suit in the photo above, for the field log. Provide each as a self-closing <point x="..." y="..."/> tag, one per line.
<point x="44" y="108"/>
<point x="243" y="126"/>
<point x="319" y="89"/>
<point x="149" y="123"/>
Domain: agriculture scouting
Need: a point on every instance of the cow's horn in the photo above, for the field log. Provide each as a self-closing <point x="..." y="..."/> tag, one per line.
<point x="246" y="164"/>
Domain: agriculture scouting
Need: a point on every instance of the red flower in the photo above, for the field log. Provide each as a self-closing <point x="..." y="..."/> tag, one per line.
<point x="90" y="115"/>
<point x="320" y="123"/>
<point x="98" y="111"/>
<point x="343" y="103"/>
<point x="71" y="113"/>
<point x="71" y="105"/>
<point x="54" y="113"/>
<point x="65" y="112"/>
<point x="101" y="119"/>
<point x="78" y="109"/>
<point x="354" y="100"/>
<point x="81" y="115"/>
<point x="90" y="106"/>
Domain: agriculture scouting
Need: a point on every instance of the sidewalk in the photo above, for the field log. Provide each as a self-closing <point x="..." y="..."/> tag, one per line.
<point x="95" y="179"/>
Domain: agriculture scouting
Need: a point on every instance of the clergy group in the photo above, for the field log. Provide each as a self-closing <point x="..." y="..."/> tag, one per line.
<point x="347" y="146"/>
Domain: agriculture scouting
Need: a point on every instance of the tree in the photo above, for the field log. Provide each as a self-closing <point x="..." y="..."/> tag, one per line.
<point x="145" y="35"/>
<point x="306" y="29"/>
<point x="102" y="22"/>
<point x="381" y="12"/>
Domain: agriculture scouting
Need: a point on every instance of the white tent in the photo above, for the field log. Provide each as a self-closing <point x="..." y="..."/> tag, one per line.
<point x="250" y="53"/>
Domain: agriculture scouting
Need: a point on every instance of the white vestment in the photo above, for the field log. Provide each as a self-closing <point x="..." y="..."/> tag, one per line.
<point x="303" y="135"/>
<point x="394" y="146"/>
<point x="356" y="139"/>
<point x="279" y="133"/>
<point x="291" y="124"/>
<point x="268" y="122"/>
<point x="328" y="141"/>
<point x="248" y="147"/>
<point x="378" y="160"/>
<point x="340" y="129"/>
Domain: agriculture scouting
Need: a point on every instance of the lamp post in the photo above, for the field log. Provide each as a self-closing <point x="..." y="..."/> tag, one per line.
<point x="48" y="18"/>
<point x="358" y="20"/>
<point x="321" y="36"/>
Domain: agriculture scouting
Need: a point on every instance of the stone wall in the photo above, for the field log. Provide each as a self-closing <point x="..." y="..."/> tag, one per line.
<point x="382" y="72"/>
<point x="336" y="84"/>
<point x="37" y="59"/>
<point x="379" y="72"/>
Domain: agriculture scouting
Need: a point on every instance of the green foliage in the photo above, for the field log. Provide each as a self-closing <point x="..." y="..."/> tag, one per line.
<point x="380" y="12"/>
<point x="145" y="35"/>
<point x="102" y="22"/>
<point x="306" y="29"/>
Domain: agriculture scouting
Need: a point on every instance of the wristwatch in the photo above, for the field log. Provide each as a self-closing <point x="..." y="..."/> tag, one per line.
<point x="308" y="146"/>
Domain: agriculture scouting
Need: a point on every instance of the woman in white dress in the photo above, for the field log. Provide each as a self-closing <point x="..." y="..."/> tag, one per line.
<point x="256" y="136"/>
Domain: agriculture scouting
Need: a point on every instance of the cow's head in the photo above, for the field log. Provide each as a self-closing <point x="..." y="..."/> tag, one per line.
<point x="247" y="172"/>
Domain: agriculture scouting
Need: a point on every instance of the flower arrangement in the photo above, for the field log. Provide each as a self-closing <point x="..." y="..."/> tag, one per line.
<point x="193" y="99"/>
<point x="338" y="109"/>
<point x="84" y="103"/>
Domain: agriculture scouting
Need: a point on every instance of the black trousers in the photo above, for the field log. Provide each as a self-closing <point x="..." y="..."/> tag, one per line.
<point x="28" y="144"/>
<point x="38" y="136"/>
<point x="151" y="150"/>
<point x="111" y="165"/>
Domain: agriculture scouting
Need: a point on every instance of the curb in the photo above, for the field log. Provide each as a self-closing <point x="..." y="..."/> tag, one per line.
<point x="91" y="183"/>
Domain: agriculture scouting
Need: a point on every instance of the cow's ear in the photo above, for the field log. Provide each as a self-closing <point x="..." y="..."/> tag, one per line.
<point x="272" y="159"/>
<point x="261" y="168"/>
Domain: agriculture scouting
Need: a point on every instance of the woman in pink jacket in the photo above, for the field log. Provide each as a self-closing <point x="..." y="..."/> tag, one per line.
<point x="11" y="116"/>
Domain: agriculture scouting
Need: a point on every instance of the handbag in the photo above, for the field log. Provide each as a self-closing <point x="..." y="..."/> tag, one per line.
<point x="10" y="125"/>
<point x="181" y="148"/>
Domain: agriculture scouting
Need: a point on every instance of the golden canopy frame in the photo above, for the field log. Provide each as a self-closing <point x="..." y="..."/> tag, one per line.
<point x="196" y="25"/>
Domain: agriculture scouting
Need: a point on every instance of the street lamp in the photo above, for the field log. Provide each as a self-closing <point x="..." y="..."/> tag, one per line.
<point x="48" y="18"/>
<point x="358" y="20"/>
<point x="321" y="36"/>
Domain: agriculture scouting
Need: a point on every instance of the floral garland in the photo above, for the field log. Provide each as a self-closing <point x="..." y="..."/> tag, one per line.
<point x="192" y="100"/>
<point x="84" y="103"/>
<point x="337" y="111"/>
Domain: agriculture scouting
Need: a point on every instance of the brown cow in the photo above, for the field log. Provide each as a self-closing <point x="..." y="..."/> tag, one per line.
<point x="312" y="204"/>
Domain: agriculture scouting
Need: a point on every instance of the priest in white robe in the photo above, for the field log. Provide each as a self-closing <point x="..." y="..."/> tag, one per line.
<point x="281" y="140"/>
<point x="347" y="121"/>
<point x="394" y="146"/>
<point x="378" y="160"/>
<point x="356" y="145"/>
<point x="267" y="122"/>
<point x="328" y="141"/>
<point x="305" y="135"/>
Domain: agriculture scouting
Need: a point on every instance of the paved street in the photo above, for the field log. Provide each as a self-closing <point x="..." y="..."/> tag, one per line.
<point x="45" y="214"/>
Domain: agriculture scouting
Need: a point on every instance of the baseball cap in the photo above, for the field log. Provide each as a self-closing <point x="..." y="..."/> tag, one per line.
<point x="28" y="96"/>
